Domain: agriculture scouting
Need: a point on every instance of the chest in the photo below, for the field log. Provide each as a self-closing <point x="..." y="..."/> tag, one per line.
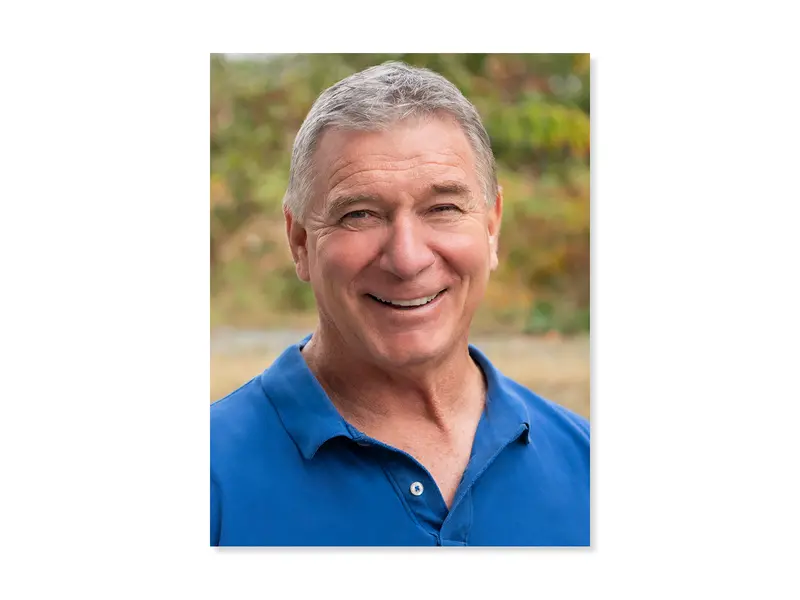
<point x="360" y="496"/>
<point x="446" y="462"/>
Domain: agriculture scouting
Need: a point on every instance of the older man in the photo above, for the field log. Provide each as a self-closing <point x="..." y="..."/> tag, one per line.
<point x="385" y="426"/>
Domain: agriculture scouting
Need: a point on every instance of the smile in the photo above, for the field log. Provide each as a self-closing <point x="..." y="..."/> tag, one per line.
<point x="408" y="304"/>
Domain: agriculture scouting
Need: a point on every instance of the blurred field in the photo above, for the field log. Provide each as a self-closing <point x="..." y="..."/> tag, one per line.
<point x="536" y="108"/>
<point x="556" y="368"/>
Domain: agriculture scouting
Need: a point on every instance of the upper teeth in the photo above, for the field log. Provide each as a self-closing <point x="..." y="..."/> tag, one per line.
<point x="416" y="302"/>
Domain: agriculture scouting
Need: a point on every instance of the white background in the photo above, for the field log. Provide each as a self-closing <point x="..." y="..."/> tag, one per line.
<point x="105" y="305"/>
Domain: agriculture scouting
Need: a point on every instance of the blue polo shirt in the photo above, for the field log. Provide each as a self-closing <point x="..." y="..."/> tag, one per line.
<point x="288" y="470"/>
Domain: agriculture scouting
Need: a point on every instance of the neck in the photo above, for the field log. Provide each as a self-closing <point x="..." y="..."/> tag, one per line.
<point x="439" y="394"/>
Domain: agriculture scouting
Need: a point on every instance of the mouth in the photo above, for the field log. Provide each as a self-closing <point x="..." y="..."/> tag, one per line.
<point x="408" y="305"/>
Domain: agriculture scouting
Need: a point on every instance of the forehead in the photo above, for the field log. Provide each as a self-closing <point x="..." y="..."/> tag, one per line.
<point x="413" y="153"/>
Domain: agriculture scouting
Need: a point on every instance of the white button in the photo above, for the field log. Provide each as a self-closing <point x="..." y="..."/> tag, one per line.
<point x="417" y="489"/>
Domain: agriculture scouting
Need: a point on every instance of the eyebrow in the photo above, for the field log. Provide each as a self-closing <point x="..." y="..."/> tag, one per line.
<point x="453" y="188"/>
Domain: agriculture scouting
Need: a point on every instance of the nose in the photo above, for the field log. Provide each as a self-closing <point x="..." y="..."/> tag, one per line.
<point x="406" y="252"/>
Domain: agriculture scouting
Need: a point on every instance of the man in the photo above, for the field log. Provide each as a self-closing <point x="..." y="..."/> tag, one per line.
<point x="385" y="427"/>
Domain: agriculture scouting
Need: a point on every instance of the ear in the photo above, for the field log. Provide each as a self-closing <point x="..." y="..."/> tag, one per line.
<point x="495" y="218"/>
<point x="298" y="243"/>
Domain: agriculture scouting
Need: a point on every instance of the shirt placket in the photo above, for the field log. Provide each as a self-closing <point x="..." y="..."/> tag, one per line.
<point x="420" y="493"/>
<point x="413" y="483"/>
<point x="455" y="528"/>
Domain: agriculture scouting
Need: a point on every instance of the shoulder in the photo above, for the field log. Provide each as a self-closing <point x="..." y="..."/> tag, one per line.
<point x="237" y="422"/>
<point x="237" y="405"/>
<point x="554" y="412"/>
<point x="241" y="418"/>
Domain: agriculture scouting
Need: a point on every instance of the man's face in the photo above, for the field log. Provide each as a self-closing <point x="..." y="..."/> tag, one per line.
<point x="398" y="241"/>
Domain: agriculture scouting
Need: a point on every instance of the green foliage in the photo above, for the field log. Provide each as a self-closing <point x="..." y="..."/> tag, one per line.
<point x="536" y="110"/>
<point x="291" y="292"/>
<point x="545" y="316"/>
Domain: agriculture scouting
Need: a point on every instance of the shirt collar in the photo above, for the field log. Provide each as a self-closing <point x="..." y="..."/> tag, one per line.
<point x="311" y="419"/>
<point x="506" y="411"/>
<point x="307" y="413"/>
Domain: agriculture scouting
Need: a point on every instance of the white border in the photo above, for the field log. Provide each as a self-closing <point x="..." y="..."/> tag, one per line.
<point x="105" y="312"/>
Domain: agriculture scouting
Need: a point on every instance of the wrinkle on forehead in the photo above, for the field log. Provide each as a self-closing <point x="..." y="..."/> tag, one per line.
<point x="345" y="167"/>
<point x="366" y="176"/>
<point x="353" y="161"/>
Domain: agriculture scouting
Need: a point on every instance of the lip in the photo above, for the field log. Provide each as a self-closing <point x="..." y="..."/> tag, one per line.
<point x="408" y="299"/>
<point x="404" y="312"/>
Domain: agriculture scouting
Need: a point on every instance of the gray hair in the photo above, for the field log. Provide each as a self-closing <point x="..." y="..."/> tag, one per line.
<point x="374" y="99"/>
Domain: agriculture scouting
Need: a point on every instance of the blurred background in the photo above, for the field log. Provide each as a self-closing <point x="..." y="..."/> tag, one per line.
<point x="534" y="322"/>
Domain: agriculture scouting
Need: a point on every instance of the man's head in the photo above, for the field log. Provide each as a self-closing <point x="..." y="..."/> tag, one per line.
<point x="393" y="200"/>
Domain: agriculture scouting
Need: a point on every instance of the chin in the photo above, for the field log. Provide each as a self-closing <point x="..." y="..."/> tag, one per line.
<point x="410" y="348"/>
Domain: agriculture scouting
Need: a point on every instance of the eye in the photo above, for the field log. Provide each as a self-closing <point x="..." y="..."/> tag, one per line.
<point x="356" y="215"/>
<point x="440" y="208"/>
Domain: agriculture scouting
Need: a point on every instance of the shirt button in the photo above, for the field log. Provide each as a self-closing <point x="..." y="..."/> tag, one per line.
<point x="417" y="489"/>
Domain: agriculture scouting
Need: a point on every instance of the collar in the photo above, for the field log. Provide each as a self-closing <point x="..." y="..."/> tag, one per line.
<point x="506" y="413"/>
<point x="311" y="419"/>
<point x="307" y="413"/>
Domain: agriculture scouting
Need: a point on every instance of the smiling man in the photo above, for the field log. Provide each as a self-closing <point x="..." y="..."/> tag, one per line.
<point x="385" y="426"/>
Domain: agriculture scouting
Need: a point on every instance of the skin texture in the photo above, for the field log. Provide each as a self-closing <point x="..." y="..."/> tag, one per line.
<point x="399" y="214"/>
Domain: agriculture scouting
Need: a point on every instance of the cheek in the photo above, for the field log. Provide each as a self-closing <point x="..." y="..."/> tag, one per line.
<point x="339" y="259"/>
<point x="467" y="254"/>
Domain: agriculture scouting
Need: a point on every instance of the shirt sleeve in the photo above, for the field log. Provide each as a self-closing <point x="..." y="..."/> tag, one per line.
<point x="216" y="513"/>
<point x="580" y="423"/>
